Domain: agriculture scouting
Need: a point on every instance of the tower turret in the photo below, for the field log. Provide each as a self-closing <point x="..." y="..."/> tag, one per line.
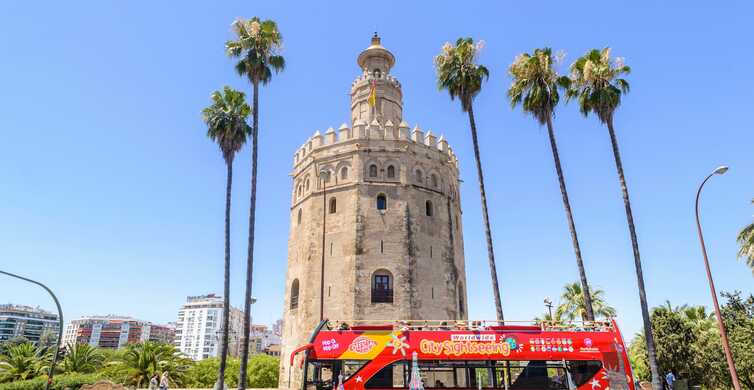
<point x="376" y="94"/>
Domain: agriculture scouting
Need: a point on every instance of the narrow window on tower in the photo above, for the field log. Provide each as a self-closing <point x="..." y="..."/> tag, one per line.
<point x="382" y="246"/>
<point x="329" y="288"/>
<point x="382" y="287"/>
<point x="333" y="206"/>
<point x="373" y="171"/>
<point x="433" y="293"/>
<point x="344" y="173"/>
<point x="294" y="294"/>
<point x="391" y="172"/>
<point x="298" y="219"/>
<point x="331" y="249"/>
<point x="430" y="252"/>
<point x="381" y="202"/>
<point x="428" y="208"/>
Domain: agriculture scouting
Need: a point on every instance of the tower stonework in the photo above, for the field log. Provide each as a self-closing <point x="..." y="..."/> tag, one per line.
<point x="387" y="196"/>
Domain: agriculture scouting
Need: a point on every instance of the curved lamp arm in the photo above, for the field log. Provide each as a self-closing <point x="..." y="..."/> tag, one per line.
<point x="60" y="325"/>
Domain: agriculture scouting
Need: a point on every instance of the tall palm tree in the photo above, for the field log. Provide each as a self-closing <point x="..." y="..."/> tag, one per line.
<point x="226" y="125"/>
<point x="572" y="303"/>
<point x="746" y="241"/>
<point x="597" y="84"/>
<point x="21" y="362"/>
<point x="82" y="358"/>
<point x="258" y="44"/>
<point x="535" y="87"/>
<point x="459" y="74"/>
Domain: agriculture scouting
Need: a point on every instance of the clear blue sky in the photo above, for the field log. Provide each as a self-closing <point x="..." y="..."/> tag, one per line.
<point x="111" y="192"/>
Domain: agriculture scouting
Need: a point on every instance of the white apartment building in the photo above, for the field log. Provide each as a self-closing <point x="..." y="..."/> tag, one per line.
<point x="198" y="328"/>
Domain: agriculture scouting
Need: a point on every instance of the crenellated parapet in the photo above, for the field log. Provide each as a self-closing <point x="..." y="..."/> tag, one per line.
<point x="379" y="134"/>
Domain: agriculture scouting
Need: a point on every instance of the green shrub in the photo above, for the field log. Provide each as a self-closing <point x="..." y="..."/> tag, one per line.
<point x="59" y="382"/>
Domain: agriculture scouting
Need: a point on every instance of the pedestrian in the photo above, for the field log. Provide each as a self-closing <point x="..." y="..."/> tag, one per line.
<point x="164" y="381"/>
<point x="154" y="382"/>
<point x="670" y="379"/>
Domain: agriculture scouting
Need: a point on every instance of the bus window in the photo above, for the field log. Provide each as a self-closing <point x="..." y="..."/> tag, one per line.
<point x="583" y="370"/>
<point x="320" y="374"/>
<point x="395" y="376"/>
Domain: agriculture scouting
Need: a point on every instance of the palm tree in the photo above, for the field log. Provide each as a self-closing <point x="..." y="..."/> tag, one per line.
<point x="458" y="73"/>
<point x="535" y="86"/>
<point x="82" y="358"/>
<point x="597" y="84"/>
<point x="572" y="303"/>
<point x="150" y="357"/>
<point x="226" y="125"/>
<point x="257" y="46"/>
<point x="21" y="362"/>
<point x="746" y="241"/>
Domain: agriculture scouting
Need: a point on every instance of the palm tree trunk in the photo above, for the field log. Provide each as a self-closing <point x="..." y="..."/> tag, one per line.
<point x="656" y="381"/>
<point x="219" y="385"/>
<point x="250" y="253"/>
<point x="487" y="230"/>
<point x="571" y="224"/>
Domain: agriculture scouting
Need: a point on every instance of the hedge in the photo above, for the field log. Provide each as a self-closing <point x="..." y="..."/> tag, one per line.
<point x="60" y="382"/>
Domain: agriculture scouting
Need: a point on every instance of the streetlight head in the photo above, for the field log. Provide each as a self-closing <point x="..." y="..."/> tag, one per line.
<point x="721" y="169"/>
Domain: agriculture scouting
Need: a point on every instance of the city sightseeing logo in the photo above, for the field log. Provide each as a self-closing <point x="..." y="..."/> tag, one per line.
<point x="362" y="345"/>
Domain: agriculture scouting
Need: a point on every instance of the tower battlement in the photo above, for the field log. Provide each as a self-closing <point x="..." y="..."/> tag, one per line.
<point x="361" y="132"/>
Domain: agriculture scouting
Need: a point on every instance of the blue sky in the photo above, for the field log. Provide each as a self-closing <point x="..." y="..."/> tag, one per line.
<point x="111" y="192"/>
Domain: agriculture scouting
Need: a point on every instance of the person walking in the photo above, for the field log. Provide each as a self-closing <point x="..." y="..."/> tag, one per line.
<point x="154" y="382"/>
<point x="670" y="379"/>
<point x="164" y="381"/>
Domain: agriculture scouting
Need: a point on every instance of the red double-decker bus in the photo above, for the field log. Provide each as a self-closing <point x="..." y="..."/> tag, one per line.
<point x="465" y="355"/>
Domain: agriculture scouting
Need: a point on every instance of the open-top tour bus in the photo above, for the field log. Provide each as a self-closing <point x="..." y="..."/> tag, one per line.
<point x="465" y="355"/>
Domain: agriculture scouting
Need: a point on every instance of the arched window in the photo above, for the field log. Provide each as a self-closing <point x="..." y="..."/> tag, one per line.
<point x="433" y="179"/>
<point x="372" y="170"/>
<point x="294" y="294"/>
<point x="377" y="73"/>
<point x="381" y="202"/>
<point x="419" y="176"/>
<point x="461" y="307"/>
<point x="307" y="184"/>
<point x="344" y="173"/>
<point x="333" y="206"/>
<point x="382" y="287"/>
<point x="298" y="219"/>
<point x="428" y="208"/>
<point x="391" y="172"/>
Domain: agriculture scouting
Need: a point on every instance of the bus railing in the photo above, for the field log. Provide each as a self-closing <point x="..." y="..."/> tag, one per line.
<point x="472" y="325"/>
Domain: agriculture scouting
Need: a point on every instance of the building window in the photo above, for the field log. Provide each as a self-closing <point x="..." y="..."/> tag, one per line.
<point x="377" y="73"/>
<point x="294" y="294"/>
<point x="372" y="170"/>
<point x="298" y="219"/>
<point x="391" y="172"/>
<point x="433" y="179"/>
<point x="382" y="287"/>
<point x="333" y="206"/>
<point x="419" y="176"/>
<point x="461" y="306"/>
<point x="381" y="202"/>
<point x="307" y="185"/>
<point x="428" y="208"/>
<point x="344" y="173"/>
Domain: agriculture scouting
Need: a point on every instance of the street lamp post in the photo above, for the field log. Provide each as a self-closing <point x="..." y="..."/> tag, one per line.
<point x="548" y="303"/>
<point x="723" y="335"/>
<point x="323" y="176"/>
<point x="60" y="325"/>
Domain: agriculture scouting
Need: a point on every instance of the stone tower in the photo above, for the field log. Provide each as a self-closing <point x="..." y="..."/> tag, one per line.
<point x="388" y="197"/>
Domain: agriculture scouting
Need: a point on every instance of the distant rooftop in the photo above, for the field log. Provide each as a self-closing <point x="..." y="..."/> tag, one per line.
<point x="24" y="308"/>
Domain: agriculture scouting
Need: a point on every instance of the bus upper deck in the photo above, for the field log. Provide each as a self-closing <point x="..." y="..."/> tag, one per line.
<point x="465" y="355"/>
